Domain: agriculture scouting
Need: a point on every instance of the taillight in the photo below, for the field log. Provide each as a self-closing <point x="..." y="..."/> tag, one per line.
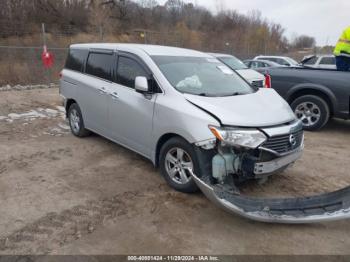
<point x="268" y="81"/>
<point x="60" y="75"/>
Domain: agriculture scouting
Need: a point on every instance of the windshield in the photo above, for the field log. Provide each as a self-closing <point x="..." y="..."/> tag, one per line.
<point x="292" y="61"/>
<point x="309" y="60"/>
<point x="201" y="76"/>
<point x="233" y="63"/>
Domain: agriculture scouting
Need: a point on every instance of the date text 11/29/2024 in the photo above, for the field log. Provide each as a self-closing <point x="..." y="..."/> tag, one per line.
<point x="173" y="258"/>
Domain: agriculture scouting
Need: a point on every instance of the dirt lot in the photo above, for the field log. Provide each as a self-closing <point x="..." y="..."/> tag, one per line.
<point x="64" y="195"/>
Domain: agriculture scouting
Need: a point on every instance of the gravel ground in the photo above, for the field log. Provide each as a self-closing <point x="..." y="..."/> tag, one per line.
<point x="64" y="195"/>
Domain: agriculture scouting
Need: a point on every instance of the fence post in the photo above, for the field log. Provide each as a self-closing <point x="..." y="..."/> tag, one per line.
<point x="101" y="33"/>
<point x="145" y="36"/>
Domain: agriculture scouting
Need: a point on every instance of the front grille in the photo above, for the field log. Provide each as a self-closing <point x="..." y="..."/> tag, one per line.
<point x="258" y="84"/>
<point x="284" y="143"/>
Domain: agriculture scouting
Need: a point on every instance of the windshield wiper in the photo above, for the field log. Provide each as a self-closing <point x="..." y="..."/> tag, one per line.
<point x="235" y="94"/>
<point x="220" y="95"/>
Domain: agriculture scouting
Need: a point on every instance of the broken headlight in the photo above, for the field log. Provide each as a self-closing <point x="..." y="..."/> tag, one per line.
<point x="249" y="138"/>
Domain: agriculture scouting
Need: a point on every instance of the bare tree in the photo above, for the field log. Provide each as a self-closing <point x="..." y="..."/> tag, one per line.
<point x="175" y="23"/>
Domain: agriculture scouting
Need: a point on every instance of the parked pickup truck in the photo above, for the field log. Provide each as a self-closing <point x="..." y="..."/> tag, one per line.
<point x="315" y="95"/>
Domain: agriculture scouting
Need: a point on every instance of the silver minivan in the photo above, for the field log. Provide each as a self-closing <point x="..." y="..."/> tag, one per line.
<point x="191" y="115"/>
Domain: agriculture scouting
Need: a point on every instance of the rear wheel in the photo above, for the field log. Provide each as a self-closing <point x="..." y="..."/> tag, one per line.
<point x="177" y="160"/>
<point x="76" y="121"/>
<point x="313" y="111"/>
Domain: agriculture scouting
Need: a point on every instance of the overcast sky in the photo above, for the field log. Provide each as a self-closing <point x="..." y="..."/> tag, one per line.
<point x="323" y="19"/>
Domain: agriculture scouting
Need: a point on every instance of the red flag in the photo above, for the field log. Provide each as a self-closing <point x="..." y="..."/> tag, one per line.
<point x="47" y="58"/>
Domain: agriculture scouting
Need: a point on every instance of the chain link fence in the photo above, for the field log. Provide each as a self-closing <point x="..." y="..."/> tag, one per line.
<point x="23" y="65"/>
<point x="21" y="48"/>
<point x="20" y="53"/>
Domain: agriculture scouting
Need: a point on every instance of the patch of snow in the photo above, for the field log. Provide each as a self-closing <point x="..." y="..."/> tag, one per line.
<point x="61" y="129"/>
<point x="31" y="114"/>
<point x="61" y="109"/>
<point x="51" y="111"/>
<point x="63" y="126"/>
<point x="56" y="130"/>
<point x="14" y="116"/>
<point x="27" y="87"/>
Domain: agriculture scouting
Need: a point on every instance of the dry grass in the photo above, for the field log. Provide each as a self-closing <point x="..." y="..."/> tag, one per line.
<point x="24" y="66"/>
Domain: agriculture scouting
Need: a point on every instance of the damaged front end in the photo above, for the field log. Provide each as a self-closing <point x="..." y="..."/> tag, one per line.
<point x="242" y="154"/>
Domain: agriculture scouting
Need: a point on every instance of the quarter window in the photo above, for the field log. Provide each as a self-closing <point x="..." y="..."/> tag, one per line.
<point x="75" y="59"/>
<point x="128" y="70"/>
<point x="100" y="65"/>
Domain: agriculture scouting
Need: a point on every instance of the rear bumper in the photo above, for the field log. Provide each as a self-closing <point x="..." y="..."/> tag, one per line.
<point x="327" y="207"/>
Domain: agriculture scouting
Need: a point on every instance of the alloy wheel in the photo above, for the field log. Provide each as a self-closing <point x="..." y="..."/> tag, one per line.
<point x="74" y="119"/>
<point x="309" y="113"/>
<point x="178" y="165"/>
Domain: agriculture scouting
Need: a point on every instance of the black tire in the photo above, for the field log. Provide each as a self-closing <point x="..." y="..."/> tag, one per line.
<point x="172" y="144"/>
<point x="80" y="130"/>
<point x="323" y="108"/>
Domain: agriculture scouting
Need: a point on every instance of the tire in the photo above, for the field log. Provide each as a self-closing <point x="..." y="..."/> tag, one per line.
<point x="168" y="164"/>
<point x="312" y="110"/>
<point x="76" y="121"/>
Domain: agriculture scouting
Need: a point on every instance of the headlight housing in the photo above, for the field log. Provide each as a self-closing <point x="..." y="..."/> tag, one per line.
<point x="243" y="137"/>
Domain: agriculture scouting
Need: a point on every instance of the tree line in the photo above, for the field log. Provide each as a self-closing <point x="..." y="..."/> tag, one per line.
<point x="174" y="23"/>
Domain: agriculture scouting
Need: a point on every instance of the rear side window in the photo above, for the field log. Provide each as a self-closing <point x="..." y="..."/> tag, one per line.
<point x="128" y="70"/>
<point x="261" y="64"/>
<point x="254" y="64"/>
<point x="272" y="59"/>
<point x="100" y="65"/>
<point x="328" y="61"/>
<point x="75" y="60"/>
<point x="257" y="64"/>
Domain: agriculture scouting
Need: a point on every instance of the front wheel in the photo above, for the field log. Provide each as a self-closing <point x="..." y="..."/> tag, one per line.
<point x="177" y="160"/>
<point x="312" y="110"/>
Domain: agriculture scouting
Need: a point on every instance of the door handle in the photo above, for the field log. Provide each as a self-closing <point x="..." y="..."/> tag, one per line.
<point x="114" y="95"/>
<point x="103" y="90"/>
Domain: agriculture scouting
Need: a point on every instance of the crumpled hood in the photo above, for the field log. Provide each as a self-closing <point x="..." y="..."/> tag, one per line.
<point x="260" y="109"/>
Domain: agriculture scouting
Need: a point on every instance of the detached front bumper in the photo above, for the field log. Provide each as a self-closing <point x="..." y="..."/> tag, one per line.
<point x="327" y="207"/>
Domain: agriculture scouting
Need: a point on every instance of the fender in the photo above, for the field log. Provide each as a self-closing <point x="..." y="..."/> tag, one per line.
<point x="316" y="87"/>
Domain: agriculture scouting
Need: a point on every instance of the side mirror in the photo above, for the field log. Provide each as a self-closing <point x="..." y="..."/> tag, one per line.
<point x="141" y="84"/>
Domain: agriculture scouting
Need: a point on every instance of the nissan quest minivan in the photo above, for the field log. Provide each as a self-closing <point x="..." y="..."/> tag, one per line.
<point x="191" y="115"/>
